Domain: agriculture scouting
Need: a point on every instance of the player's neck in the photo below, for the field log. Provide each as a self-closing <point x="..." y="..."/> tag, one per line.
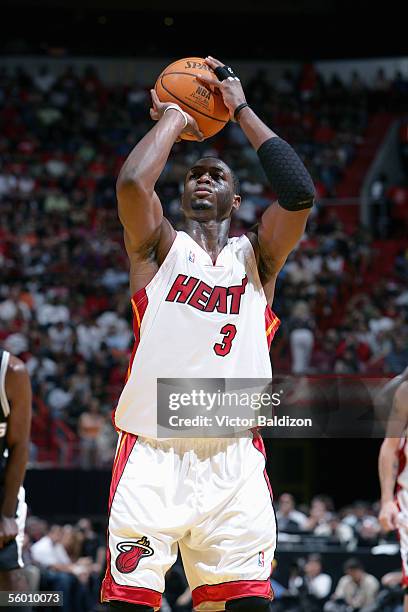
<point x="212" y="236"/>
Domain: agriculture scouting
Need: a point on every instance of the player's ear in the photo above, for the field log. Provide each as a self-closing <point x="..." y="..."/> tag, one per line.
<point x="236" y="202"/>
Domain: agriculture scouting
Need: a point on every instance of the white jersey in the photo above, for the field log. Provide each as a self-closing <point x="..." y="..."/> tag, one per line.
<point x="196" y="319"/>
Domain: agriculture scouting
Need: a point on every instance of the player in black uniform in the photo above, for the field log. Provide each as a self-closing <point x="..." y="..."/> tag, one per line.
<point x="15" y="420"/>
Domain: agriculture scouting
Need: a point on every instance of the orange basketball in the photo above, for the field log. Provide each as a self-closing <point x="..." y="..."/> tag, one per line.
<point x="177" y="83"/>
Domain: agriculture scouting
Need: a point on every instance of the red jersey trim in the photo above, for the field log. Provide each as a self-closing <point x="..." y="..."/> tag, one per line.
<point x="109" y="588"/>
<point x="139" y="304"/>
<point x="134" y="595"/>
<point x="272" y="323"/>
<point x="228" y="591"/>
<point x="258" y="443"/>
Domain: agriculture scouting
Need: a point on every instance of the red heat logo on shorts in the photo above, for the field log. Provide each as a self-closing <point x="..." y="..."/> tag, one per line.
<point x="131" y="553"/>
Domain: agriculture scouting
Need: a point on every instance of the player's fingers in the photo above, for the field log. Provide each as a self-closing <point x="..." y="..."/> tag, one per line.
<point x="155" y="97"/>
<point x="194" y="125"/>
<point x="384" y="523"/>
<point x="195" y="131"/>
<point x="214" y="63"/>
<point x="207" y="80"/>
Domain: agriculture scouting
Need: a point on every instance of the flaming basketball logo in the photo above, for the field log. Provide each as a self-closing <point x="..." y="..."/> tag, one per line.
<point x="131" y="553"/>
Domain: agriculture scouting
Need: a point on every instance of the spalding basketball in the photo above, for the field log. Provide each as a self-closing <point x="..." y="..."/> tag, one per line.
<point x="177" y="83"/>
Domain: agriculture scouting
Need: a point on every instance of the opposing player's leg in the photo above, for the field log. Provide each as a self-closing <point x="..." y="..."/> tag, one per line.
<point x="228" y="554"/>
<point x="14" y="580"/>
<point x="143" y="524"/>
<point x="12" y="576"/>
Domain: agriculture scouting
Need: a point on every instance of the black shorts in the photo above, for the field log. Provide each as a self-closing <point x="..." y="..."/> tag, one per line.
<point x="11" y="553"/>
<point x="9" y="557"/>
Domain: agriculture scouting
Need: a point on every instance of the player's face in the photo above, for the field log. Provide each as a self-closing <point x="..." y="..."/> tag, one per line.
<point x="209" y="191"/>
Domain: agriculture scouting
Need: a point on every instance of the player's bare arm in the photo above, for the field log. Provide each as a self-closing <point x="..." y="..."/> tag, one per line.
<point x="283" y="223"/>
<point x="18" y="390"/>
<point x="388" y="459"/>
<point x="148" y="235"/>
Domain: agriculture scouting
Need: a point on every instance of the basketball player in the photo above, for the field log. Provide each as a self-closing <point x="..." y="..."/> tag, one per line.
<point x="202" y="309"/>
<point x="15" y="421"/>
<point x="393" y="469"/>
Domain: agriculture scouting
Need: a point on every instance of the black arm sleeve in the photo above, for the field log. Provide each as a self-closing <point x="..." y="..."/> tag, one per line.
<point x="287" y="174"/>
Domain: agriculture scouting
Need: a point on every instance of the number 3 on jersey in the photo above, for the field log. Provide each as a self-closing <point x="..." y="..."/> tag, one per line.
<point x="229" y="331"/>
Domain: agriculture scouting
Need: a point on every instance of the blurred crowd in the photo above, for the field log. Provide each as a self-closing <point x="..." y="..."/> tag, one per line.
<point x="64" y="303"/>
<point x="312" y="585"/>
<point x="71" y="558"/>
<point x="352" y="527"/>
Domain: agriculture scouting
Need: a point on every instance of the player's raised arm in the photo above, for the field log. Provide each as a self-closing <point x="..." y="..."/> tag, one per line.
<point x="18" y="391"/>
<point x="283" y="223"/>
<point x="388" y="462"/>
<point x="139" y="207"/>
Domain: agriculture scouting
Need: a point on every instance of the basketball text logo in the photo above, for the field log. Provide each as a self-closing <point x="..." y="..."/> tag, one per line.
<point x="199" y="65"/>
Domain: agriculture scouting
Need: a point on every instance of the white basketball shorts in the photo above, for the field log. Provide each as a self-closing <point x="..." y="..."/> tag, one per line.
<point x="211" y="498"/>
<point x="11" y="555"/>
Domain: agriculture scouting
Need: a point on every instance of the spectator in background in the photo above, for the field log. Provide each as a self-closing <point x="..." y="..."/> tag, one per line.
<point x="92" y="548"/>
<point x="57" y="571"/>
<point x="380" y="91"/>
<point x="379" y="206"/>
<point x="90" y="426"/>
<point x="357" y="86"/>
<point x="391" y="594"/>
<point x="317" y="583"/>
<point x="288" y="518"/>
<point x="356" y="589"/>
<point x="397" y="358"/>
<point x="301" y="327"/>
<point x="44" y="80"/>
<point x="321" y="511"/>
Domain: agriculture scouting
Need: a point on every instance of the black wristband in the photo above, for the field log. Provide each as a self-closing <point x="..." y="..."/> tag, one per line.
<point x="287" y="174"/>
<point x="239" y="109"/>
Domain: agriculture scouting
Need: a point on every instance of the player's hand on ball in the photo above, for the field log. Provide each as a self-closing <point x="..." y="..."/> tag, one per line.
<point x="388" y="516"/>
<point x="230" y="88"/>
<point x="157" y="112"/>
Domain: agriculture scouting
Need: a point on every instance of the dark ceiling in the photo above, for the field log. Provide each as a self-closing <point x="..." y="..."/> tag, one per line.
<point x="267" y="29"/>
